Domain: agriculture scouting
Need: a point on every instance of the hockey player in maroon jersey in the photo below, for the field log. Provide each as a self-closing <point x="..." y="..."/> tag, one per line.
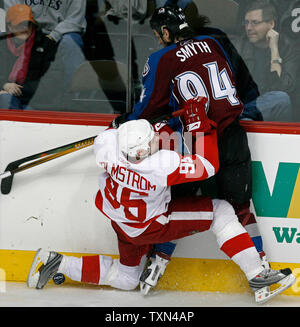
<point x="189" y="66"/>
<point x="134" y="193"/>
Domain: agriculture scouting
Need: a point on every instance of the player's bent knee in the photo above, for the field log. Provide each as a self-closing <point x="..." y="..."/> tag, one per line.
<point x="223" y="215"/>
<point x="225" y="223"/>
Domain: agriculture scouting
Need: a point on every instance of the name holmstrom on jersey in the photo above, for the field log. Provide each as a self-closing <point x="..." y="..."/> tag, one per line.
<point x="191" y="48"/>
<point x="129" y="177"/>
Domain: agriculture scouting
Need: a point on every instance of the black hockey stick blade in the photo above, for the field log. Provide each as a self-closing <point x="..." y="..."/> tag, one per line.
<point x="6" y="182"/>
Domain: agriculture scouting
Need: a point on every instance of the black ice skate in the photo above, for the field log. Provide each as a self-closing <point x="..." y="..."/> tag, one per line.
<point x="39" y="276"/>
<point x="261" y="283"/>
<point x="152" y="273"/>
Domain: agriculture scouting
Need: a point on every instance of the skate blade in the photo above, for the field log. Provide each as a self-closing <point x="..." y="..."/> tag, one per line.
<point x="144" y="288"/>
<point x="40" y="258"/>
<point x="264" y="294"/>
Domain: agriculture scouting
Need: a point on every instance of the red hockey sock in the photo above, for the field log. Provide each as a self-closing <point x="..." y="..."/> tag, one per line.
<point x="90" y="269"/>
<point x="237" y="244"/>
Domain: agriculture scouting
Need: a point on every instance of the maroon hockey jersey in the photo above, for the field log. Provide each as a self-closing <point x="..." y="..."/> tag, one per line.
<point x="190" y="68"/>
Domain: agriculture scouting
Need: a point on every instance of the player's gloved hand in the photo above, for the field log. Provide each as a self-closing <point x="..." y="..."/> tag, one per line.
<point x="118" y="121"/>
<point x="195" y="116"/>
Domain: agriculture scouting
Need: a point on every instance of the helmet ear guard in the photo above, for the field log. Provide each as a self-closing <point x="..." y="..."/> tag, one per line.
<point x="162" y="30"/>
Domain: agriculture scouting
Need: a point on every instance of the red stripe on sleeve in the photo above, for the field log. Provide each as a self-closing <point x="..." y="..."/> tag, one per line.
<point x="237" y="244"/>
<point x="90" y="272"/>
<point x="99" y="201"/>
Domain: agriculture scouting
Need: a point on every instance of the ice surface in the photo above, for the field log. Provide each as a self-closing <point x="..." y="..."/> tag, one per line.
<point x="19" y="295"/>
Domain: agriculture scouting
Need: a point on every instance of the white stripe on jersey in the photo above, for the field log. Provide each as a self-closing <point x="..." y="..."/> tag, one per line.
<point x="208" y="166"/>
<point x="131" y="231"/>
<point x="191" y="215"/>
<point x="185" y="215"/>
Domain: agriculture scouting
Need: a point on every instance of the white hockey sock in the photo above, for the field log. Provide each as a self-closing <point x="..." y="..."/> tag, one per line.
<point x="237" y="244"/>
<point x="234" y="240"/>
<point x="71" y="267"/>
<point x="249" y="262"/>
<point x="87" y="269"/>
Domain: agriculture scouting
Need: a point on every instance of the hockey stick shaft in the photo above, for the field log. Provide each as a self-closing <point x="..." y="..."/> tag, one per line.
<point x="42" y="157"/>
<point x="51" y="157"/>
<point x="76" y="144"/>
<point x="46" y="156"/>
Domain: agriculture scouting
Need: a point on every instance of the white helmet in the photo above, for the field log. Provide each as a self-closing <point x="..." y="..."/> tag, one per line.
<point x="134" y="136"/>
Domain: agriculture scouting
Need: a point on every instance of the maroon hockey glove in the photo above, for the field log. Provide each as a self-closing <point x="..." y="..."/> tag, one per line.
<point x="195" y="116"/>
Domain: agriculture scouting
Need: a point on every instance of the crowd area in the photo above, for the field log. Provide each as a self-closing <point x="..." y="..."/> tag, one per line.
<point x="75" y="55"/>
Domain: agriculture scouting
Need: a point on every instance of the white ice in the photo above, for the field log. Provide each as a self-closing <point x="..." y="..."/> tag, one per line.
<point x="19" y="295"/>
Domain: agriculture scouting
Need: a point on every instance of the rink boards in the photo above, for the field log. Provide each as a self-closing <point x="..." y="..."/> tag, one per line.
<point x="52" y="205"/>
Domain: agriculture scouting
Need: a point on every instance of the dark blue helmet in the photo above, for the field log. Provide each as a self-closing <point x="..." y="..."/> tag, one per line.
<point x="170" y="17"/>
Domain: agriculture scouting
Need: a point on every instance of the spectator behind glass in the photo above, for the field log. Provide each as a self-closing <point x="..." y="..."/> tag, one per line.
<point x="63" y="22"/>
<point x="26" y="54"/>
<point x="272" y="60"/>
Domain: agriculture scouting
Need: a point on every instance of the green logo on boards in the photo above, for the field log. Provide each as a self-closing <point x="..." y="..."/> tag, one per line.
<point x="286" y="234"/>
<point x="278" y="202"/>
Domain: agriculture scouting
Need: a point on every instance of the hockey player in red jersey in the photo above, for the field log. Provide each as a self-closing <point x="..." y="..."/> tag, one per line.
<point x="134" y="193"/>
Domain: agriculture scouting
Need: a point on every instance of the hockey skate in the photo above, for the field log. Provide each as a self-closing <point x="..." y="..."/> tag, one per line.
<point x="264" y="260"/>
<point x="44" y="266"/>
<point x="261" y="283"/>
<point x="152" y="273"/>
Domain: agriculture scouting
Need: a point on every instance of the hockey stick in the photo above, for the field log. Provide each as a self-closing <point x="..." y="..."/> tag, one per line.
<point x="16" y="166"/>
<point x="42" y="157"/>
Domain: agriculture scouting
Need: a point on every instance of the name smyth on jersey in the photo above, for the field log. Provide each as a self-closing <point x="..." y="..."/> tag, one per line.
<point x="131" y="178"/>
<point x="191" y="49"/>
